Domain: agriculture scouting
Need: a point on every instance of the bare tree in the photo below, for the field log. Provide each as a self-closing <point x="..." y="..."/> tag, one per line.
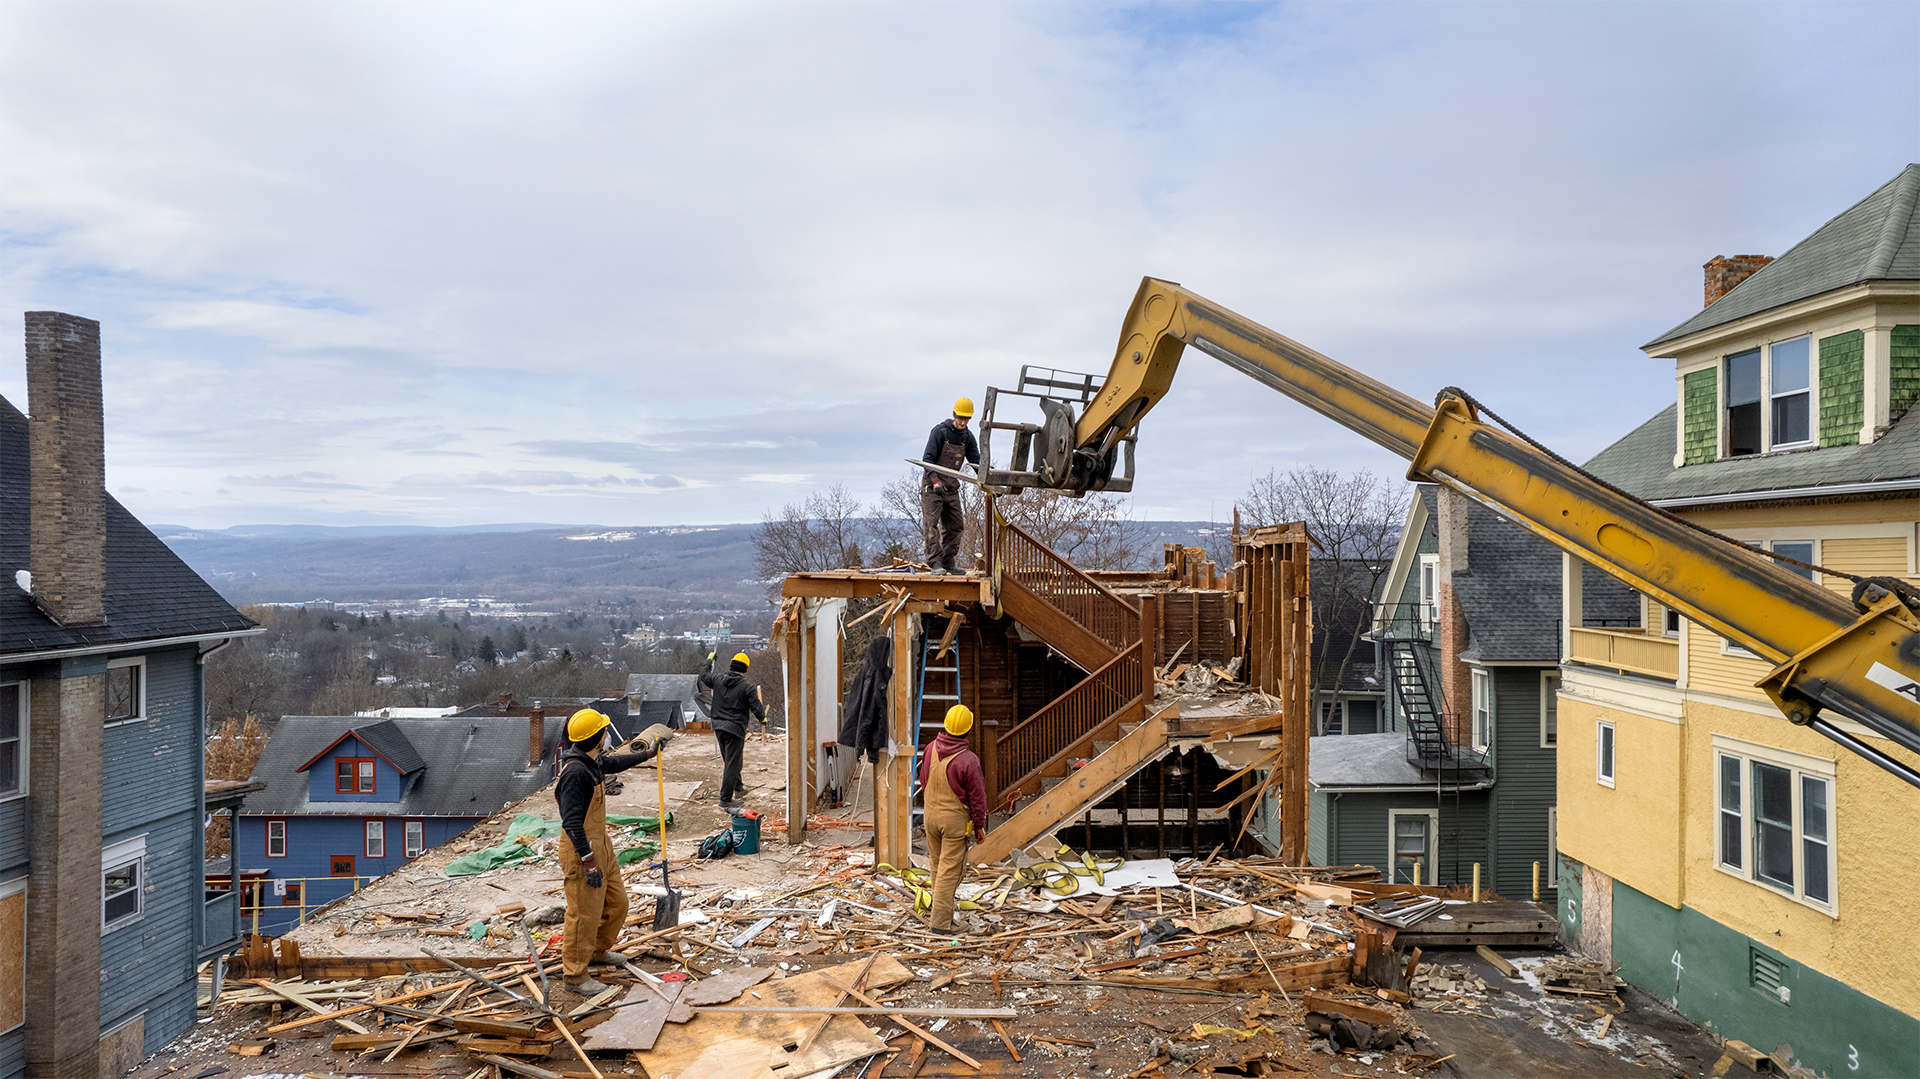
<point x="1093" y="532"/>
<point x="1354" y="522"/>
<point x="820" y="533"/>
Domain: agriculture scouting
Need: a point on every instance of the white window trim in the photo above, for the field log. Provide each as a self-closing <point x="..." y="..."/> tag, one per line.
<point x="1605" y="779"/>
<point x="407" y="849"/>
<point x="8" y="890"/>
<point x="26" y="744"/>
<point x="1429" y="609"/>
<point x="367" y="826"/>
<point x="1798" y="764"/>
<point x="124" y="853"/>
<point x="282" y="822"/>
<point x="1767" y="396"/>
<point x="1481" y="732"/>
<point x="1433" y="841"/>
<point x="1549" y="691"/>
<point x="140" y="713"/>
<point x="1553" y="836"/>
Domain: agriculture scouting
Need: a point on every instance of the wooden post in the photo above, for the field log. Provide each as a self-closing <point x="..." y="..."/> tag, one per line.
<point x="793" y="662"/>
<point x="1150" y="636"/>
<point x="1297" y="620"/>
<point x="893" y="776"/>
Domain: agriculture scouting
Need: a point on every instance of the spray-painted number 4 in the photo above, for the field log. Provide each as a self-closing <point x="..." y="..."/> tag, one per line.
<point x="1677" y="968"/>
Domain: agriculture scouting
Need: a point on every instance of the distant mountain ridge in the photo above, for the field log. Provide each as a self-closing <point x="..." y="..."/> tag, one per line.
<point x="658" y="567"/>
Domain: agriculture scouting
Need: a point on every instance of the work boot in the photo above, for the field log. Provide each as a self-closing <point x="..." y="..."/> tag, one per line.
<point x="611" y="957"/>
<point x="952" y="569"/>
<point x="585" y="988"/>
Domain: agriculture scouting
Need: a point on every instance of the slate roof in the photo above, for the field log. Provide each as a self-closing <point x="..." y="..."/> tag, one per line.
<point x="470" y="766"/>
<point x="1510" y="593"/>
<point x="150" y="592"/>
<point x="1362" y="760"/>
<point x="1641" y="463"/>
<point x="1875" y="239"/>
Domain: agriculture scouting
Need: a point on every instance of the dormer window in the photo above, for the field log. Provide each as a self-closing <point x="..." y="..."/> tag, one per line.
<point x="1774" y="384"/>
<point x="1789" y="383"/>
<point x="1743" y="403"/>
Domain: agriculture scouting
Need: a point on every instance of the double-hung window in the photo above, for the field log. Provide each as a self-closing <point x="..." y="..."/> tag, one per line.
<point x="376" y="839"/>
<point x="123" y="880"/>
<point x="1430" y="588"/>
<point x="1549" y="709"/>
<point x="1333" y="717"/>
<point x="13" y="739"/>
<point x="126" y="690"/>
<point x="416" y="838"/>
<point x="276" y="839"/>
<point x="1774" y="817"/>
<point x="1482" y="710"/>
<point x="353" y="775"/>
<point x="1769" y="397"/>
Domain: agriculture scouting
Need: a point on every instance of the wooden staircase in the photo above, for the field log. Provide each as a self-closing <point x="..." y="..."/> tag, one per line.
<point x="1065" y="797"/>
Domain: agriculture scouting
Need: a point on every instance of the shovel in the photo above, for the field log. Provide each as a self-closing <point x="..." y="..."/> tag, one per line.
<point x="666" y="908"/>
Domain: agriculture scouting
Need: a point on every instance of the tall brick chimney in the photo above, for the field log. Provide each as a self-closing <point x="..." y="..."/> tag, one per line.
<point x="67" y="450"/>
<point x="536" y="735"/>
<point x="1726" y="271"/>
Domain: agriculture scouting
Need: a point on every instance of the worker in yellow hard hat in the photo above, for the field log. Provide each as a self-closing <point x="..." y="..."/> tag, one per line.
<point x="948" y="445"/>
<point x="956" y="810"/>
<point x="734" y="699"/>
<point x="596" y="896"/>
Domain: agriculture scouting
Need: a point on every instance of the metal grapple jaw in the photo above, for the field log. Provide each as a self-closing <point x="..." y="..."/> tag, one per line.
<point x="1044" y="454"/>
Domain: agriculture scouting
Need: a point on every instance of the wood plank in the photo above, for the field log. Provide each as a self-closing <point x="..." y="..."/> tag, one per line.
<point x="1100" y="777"/>
<point x="401" y="999"/>
<point x="1321" y="1002"/>
<point x="918" y="1031"/>
<point x="1499" y="962"/>
<point x="857" y="585"/>
<point x="1055" y="627"/>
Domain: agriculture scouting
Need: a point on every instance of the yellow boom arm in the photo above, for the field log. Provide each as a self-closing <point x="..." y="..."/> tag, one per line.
<point x="1862" y="663"/>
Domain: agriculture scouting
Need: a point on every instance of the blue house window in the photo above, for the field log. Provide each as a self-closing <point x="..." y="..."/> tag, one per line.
<point x="123" y="878"/>
<point x="276" y="839"/>
<point x="126" y="690"/>
<point x="353" y="775"/>
<point x="13" y="740"/>
<point x="376" y="839"/>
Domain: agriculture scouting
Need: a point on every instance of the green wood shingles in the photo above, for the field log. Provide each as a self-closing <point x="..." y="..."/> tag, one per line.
<point x="1699" y="395"/>
<point x="1843" y="389"/>
<point x="1903" y="370"/>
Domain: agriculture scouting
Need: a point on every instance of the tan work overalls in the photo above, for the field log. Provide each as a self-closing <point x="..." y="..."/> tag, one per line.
<point x="947" y="821"/>
<point x="594" y="915"/>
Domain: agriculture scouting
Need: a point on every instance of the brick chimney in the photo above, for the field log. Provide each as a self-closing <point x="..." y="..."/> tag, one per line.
<point x="67" y="451"/>
<point x="1726" y="271"/>
<point x="1456" y="680"/>
<point x="536" y="735"/>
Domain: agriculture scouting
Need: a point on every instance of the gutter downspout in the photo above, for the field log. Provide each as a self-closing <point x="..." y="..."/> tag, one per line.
<point x="233" y="838"/>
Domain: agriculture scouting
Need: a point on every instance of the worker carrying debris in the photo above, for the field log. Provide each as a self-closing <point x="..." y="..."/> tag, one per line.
<point x="596" y="895"/>
<point x="734" y="698"/>
<point x="956" y="804"/>
<point x="949" y="443"/>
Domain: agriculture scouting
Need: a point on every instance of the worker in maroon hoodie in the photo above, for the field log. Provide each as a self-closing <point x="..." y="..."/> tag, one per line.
<point x="956" y="810"/>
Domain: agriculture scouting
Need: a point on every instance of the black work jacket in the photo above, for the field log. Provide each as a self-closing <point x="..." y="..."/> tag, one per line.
<point x="734" y="698"/>
<point x="579" y="774"/>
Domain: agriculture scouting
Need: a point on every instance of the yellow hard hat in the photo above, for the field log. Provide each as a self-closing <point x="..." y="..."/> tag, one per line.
<point x="586" y="723"/>
<point x="959" y="720"/>
<point x="963" y="407"/>
<point x="741" y="659"/>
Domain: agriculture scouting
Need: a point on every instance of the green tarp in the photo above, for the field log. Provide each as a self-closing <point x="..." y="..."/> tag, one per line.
<point x="526" y="824"/>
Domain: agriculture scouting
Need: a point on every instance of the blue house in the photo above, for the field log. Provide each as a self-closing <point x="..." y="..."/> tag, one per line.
<point x="104" y="893"/>
<point x="351" y="798"/>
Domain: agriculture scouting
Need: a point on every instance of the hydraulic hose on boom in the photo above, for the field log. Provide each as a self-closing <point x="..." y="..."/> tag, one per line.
<point x="1859" y="659"/>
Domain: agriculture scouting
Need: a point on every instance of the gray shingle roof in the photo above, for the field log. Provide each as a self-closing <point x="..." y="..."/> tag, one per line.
<point x="1641" y="463"/>
<point x="386" y="739"/>
<point x="150" y="592"/>
<point x="1361" y="760"/>
<point x="471" y="766"/>
<point x="1876" y="239"/>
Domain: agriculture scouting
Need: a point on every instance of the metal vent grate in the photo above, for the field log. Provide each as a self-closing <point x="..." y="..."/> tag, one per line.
<point x="1768" y="974"/>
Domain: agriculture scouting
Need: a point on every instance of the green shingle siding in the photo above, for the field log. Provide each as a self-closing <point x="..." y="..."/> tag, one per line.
<point x="1903" y="369"/>
<point x="1700" y="394"/>
<point x="1843" y="389"/>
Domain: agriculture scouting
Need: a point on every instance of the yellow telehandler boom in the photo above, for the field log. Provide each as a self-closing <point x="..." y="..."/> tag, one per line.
<point x="1859" y="659"/>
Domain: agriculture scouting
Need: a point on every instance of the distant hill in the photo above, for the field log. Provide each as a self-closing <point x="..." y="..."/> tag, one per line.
<point x="698" y="568"/>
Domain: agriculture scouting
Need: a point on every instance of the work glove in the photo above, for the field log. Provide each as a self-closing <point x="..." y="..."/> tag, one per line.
<point x="594" y="879"/>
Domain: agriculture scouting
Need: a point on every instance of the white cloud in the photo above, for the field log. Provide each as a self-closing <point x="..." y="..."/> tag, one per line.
<point x="729" y="246"/>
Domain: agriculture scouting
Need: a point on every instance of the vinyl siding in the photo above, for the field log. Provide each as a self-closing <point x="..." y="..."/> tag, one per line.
<point x="1700" y="400"/>
<point x="13" y="1053"/>
<point x="1880" y="556"/>
<point x="13" y="837"/>
<point x="1316" y="828"/>
<point x="1843" y="390"/>
<point x="144" y="963"/>
<point x="1526" y="788"/>
<point x="1710" y="671"/>
<point x="151" y="767"/>
<point x="1358" y="830"/>
<point x="311" y="844"/>
<point x="322" y="778"/>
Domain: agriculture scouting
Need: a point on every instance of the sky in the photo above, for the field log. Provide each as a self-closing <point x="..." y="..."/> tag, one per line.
<point x="654" y="264"/>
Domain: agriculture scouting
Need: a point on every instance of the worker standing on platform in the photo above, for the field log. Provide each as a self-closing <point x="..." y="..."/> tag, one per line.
<point x="734" y="699"/>
<point x="596" y="895"/>
<point x="956" y="804"/>
<point x="948" y="445"/>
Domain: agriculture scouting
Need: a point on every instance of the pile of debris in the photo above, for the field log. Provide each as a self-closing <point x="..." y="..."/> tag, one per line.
<point x="1587" y="979"/>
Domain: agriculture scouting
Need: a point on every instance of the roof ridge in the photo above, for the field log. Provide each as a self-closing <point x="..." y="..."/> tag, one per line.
<point x="1893" y="231"/>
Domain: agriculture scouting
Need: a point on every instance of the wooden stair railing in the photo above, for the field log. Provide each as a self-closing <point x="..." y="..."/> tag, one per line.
<point x="1044" y="743"/>
<point x="1076" y="615"/>
<point x="1083" y="789"/>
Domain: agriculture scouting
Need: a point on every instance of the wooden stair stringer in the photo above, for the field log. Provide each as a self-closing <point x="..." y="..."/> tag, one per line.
<point x="1055" y="627"/>
<point x="1083" y="788"/>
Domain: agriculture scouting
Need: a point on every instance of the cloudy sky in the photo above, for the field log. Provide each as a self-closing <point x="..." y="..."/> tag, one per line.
<point x="650" y="264"/>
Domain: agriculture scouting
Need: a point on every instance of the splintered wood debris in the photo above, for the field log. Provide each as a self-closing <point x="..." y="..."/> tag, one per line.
<point x="1222" y="966"/>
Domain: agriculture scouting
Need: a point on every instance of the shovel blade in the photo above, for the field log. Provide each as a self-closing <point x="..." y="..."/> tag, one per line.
<point x="666" y="910"/>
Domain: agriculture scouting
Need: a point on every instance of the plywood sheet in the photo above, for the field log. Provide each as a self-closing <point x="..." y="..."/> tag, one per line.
<point x="636" y="1026"/>
<point x="753" y="1045"/>
<point x="718" y="989"/>
<point x="13" y="960"/>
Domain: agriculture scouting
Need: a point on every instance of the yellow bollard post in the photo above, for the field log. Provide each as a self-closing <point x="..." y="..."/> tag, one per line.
<point x="1476" y="882"/>
<point x="1536" y="882"/>
<point x="1416" y="874"/>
